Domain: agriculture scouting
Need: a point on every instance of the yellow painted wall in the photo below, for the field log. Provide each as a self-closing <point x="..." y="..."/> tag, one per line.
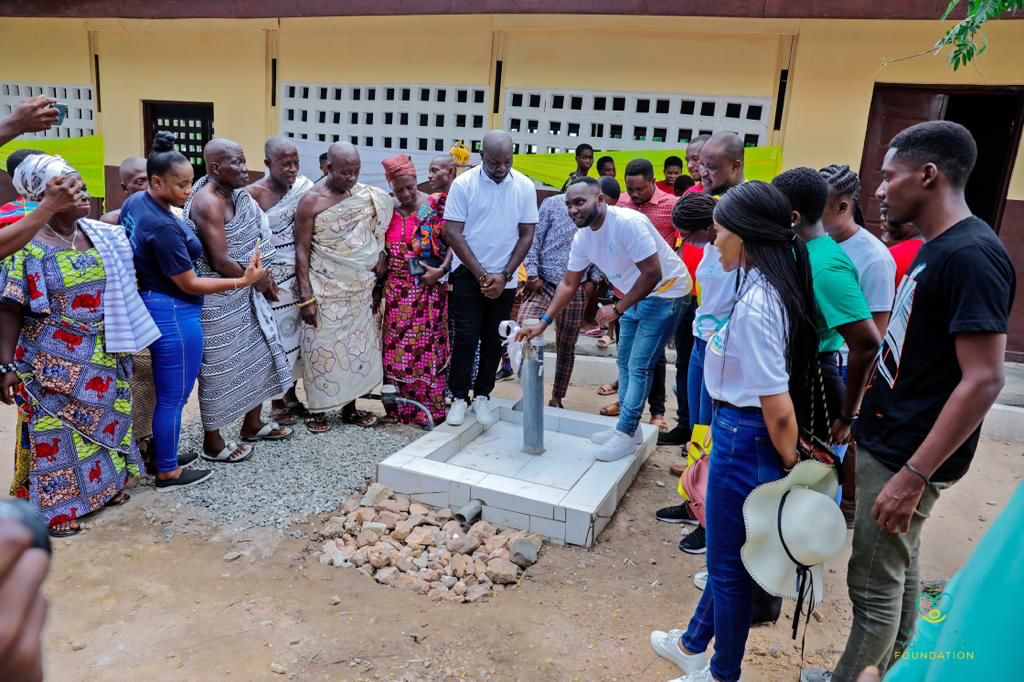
<point x="642" y="60"/>
<point x="838" y="63"/>
<point x="44" y="51"/>
<point x="386" y="50"/>
<point x="193" y="62"/>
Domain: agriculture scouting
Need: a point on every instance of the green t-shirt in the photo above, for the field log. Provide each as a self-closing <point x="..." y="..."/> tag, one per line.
<point x="836" y="291"/>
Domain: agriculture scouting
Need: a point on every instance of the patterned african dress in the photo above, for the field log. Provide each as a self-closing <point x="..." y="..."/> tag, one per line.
<point x="415" y="337"/>
<point x="76" y="446"/>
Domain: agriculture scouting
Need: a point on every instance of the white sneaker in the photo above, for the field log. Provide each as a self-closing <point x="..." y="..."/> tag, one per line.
<point x="482" y="411"/>
<point x="700" y="579"/>
<point x="666" y="645"/>
<point x="815" y="675"/>
<point x="601" y="437"/>
<point x="700" y="676"/>
<point x="457" y="413"/>
<point x="618" y="446"/>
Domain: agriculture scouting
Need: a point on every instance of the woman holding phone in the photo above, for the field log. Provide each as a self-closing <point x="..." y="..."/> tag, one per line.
<point x="415" y="338"/>
<point x="165" y="249"/>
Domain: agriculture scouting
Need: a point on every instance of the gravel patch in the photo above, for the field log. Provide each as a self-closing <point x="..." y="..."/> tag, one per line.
<point x="285" y="481"/>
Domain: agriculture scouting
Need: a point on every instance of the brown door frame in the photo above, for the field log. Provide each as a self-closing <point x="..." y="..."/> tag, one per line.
<point x="970" y="90"/>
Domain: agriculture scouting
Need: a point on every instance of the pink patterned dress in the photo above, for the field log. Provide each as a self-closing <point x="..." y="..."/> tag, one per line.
<point x="415" y="336"/>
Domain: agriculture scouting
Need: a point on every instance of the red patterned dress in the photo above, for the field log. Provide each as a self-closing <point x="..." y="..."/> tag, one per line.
<point x="415" y="335"/>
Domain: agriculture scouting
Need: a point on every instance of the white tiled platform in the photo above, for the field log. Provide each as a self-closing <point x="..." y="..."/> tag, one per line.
<point x="563" y="495"/>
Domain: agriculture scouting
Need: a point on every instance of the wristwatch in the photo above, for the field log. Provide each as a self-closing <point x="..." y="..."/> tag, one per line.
<point x="482" y="278"/>
<point x="615" y="309"/>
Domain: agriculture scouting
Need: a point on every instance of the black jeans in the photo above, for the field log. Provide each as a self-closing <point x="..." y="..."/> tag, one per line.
<point x="475" y="318"/>
<point x="684" y="345"/>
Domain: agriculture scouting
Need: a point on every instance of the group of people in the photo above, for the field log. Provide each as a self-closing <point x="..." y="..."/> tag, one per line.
<point x="791" y="323"/>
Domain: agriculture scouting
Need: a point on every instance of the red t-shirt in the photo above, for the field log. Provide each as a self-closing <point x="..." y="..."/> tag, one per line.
<point x="691" y="256"/>
<point x="665" y="187"/>
<point x="904" y="254"/>
<point x="696" y="188"/>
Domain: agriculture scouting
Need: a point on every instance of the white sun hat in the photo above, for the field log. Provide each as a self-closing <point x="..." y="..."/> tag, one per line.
<point x="793" y="526"/>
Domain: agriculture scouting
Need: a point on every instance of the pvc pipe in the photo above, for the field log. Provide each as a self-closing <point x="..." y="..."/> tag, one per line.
<point x="469" y="513"/>
<point x="531" y="376"/>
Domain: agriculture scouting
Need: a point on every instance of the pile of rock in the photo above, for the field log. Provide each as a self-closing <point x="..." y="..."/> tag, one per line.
<point x="406" y="545"/>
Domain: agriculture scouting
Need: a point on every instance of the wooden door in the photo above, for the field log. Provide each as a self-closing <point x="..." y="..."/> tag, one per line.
<point x="192" y="122"/>
<point x="893" y="108"/>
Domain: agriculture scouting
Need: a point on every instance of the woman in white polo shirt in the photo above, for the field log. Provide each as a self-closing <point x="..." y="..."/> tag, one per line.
<point x="755" y="365"/>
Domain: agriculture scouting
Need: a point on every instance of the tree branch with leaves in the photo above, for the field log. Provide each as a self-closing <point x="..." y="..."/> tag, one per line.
<point x="967" y="38"/>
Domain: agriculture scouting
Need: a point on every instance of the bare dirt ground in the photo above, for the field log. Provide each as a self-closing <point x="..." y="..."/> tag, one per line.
<point x="146" y="594"/>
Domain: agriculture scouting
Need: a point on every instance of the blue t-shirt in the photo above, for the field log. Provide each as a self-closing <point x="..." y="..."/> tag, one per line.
<point x="164" y="246"/>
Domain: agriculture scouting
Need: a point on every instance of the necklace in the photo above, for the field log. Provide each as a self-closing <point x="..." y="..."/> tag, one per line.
<point x="58" y="235"/>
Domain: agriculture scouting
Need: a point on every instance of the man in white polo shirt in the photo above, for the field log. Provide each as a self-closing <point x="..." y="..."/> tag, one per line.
<point x="491" y="213"/>
<point x="624" y="245"/>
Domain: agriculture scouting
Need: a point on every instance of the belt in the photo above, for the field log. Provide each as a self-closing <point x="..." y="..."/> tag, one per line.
<point x="748" y="410"/>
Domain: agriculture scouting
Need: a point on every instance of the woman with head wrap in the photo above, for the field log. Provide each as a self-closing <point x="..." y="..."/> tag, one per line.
<point x="415" y="338"/>
<point x="70" y="320"/>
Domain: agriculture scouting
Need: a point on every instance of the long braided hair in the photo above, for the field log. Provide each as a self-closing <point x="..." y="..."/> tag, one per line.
<point x="694" y="212"/>
<point x="760" y="214"/>
<point x="843" y="182"/>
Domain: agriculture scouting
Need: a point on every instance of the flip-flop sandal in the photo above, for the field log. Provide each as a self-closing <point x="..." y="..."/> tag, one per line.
<point x="116" y="501"/>
<point x="225" y="455"/>
<point x="594" y="333"/>
<point x="284" y="416"/>
<point x="607" y="389"/>
<point x="610" y="410"/>
<point x="265" y="433"/>
<point x="605" y="341"/>
<point x="366" y="420"/>
<point x="65" y="533"/>
<point x="660" y="423"/>
<point x="315" y="424"/>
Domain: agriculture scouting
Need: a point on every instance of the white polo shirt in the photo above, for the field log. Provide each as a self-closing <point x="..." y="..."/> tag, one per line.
<point x="746" y="357"/>
<point x="492" y="213"/>
<point x="624" y="239"/>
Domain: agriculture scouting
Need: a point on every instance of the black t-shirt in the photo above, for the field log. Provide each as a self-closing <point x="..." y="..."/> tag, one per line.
<point x="961" y="281"/>
<point x="164" y="245"/>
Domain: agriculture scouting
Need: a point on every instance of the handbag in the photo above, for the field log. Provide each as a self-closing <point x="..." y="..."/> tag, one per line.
<point x="697" y="447"/>
<point x="693" y="483"/>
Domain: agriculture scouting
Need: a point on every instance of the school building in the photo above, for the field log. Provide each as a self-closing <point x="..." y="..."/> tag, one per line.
<point x="827" y="82"/>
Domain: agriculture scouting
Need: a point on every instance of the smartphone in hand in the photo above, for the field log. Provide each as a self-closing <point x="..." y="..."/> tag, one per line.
<point x="62" y="113"/>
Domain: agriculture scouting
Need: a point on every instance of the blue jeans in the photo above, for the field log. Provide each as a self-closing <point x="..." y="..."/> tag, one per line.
<point x="742" y="458"/>
<point x="643" y="332"/>
<point x="696" y="391"/>
<point x="177" y="355"/>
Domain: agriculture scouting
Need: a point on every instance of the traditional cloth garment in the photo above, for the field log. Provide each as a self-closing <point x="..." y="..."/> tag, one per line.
<point x="281" y="219"/>
<point x="128" y="327"/>
<point x="416" y="350"/>
<point x="244" y="363"/>
<point x="76" y="444"/>
<point x="341" y="357"/>
<point x="14" y="211"/>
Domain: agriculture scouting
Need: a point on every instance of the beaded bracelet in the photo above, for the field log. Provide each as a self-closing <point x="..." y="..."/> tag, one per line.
<point x="6" y="367"/>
